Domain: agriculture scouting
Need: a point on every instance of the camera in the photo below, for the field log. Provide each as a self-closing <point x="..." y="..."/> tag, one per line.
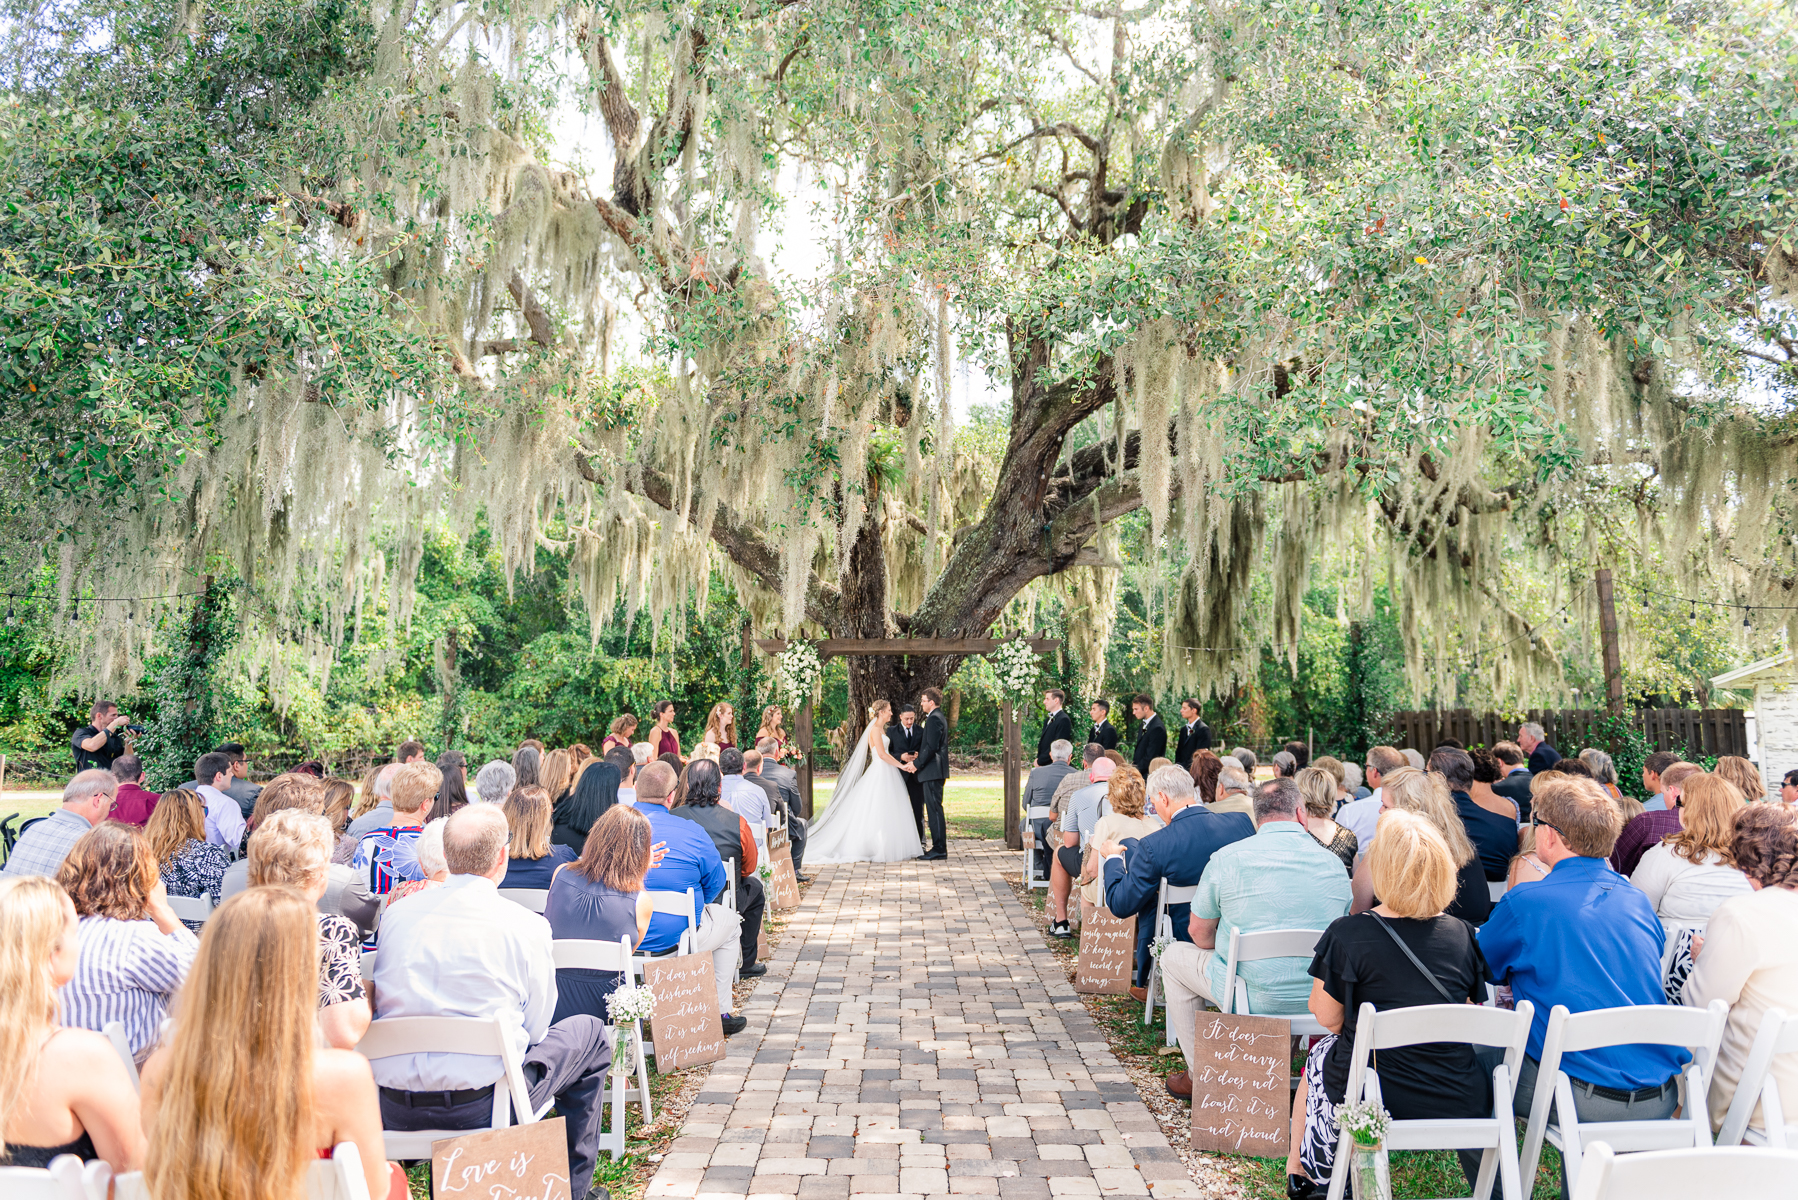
<point x="135" y="728"/>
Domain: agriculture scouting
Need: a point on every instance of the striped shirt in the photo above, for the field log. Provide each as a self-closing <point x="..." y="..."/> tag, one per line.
<point x="42" y="848"/>
<point x="127" y="972"/>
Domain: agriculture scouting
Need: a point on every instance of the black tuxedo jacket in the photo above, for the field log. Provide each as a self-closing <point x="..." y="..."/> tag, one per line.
<point x="1103" y="734"/>
<point x="1151" y="744"/>
<point x="900" y="742"/>
<point x="1196" y="738"/>
<point x="933" y="749"/>
<point x="1058" y="728"/>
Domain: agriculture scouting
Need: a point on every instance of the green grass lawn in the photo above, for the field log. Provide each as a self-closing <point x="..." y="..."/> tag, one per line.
<point x="972" y="807"/>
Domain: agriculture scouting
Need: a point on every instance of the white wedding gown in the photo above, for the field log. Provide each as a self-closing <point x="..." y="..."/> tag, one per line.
<point x="869" y="818"/>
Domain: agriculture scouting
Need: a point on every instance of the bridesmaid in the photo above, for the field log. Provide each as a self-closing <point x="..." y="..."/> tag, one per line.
<point x="721" y="726"/>
<point x="662" y="736"/>
<point x="772" y="727"/>
<point x="623" y="730"/>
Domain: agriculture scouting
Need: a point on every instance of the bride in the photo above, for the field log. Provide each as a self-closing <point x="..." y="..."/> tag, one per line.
<point x="870" y="817"/>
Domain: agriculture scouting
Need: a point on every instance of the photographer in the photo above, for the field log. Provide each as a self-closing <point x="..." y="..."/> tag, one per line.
<point x="98" y="742"/>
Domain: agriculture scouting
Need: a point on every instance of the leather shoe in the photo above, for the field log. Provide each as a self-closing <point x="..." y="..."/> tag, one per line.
<point x="933" y="856"/>
<point x="734" y="1024"/>
<point x="753" y="970"/>
<point x="1179" y="1085"/>
<point x="803" y="878"/>
<point x="599" y="1193"/>
<point x="1140" y="995"/>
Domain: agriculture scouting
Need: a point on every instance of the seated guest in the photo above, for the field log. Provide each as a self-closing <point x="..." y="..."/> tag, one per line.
<point x="1494" y="834"/>
<point x="1650" y="828"/>
<point x="1426" y="793"/>
<point x="462" y="950"/>
<point x="338" y="795"/>
<point x="1688" y="874"/>
<point x="284" y="792"/>
<point x="1079" y="814"/>
<point x="1487" y="770"/>
<point x="390" y="855"/>
<point x="626" y="765"/>
<point x="1352" y="782"/>
<point x="753" y="764"/>
<point x="600" y="898"/>
<point x="1326" y="762"/>
<point x="1320" y="792"/>
<point x="533" y="859"/>
<point x="1246" y="757"/>
<point x="1205" y="766"/>
<point x="1125" y="798"/>
<point x="293" y="849"/>
<point x="1513" y="781"/>
<point x="1178" y="853"/>
<point x="495" y="782"/>
<point x="1286" y="764"/>
<point x="743" y="797"/>
<point x="1235" y="792"/>
<point x="1748" y="957"/>
<point x="133" y="803"/>
<point x="1652" y="766"/>
<point x="1356" y="963"/>
<point x="734" y="840"/>
<point x="1732" y="767"/>
<point x="690" y="861"/>
<point x="786" y="782"/>
<point x="189" y="865"/>
<point x="583" y="804"/>
<point x="86" y="800"/>
<point x="452" y="795"/>
<point x="62" y="1090"/>
<point x="1583" y="939"/>
<point x="229" y="1115"/>
<point x="642" y="754"/>
<point x="1039" y="790"/>
<point x="224" y="816"/>
<point x="1073" y="781"/>
<point x="239" y="788"/>
<point x="557" y="775"/>
<point x="1278" y="879"/>
<point x="347" y="892"/>
<point x="380" y="816"/>
<point x="527" y="763"/>
<point x="1604" y="771"/>
<point x="134" y="952"/>
<point x="1362" y="817"/>
<point x="431" y="863"/>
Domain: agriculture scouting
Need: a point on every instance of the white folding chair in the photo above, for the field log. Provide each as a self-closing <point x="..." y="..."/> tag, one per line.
<point x="535" y="899"/>
<point x="1778" y="1035"/>
<point x="679" y="904"/>
<point x="1685" y="1174"/>
<point x="192" y="908"/>
<point x="1698" y="1030"/>
<point x="613" y="956"/>
<point x="1494" y="1136"/>
<point x="61" y="1180"/>
<point x="121" y="1045"/>
<point x="392" y="1036"/>
<point x="1164" y="928"/>
<point x="368" y="966"/>
<point x="1258" y="947"/>
<point x="1496" y="888"/>
<point x="339" y="1177"/>
<point x="730" y="884"/>
<point x="1036" y="812"/>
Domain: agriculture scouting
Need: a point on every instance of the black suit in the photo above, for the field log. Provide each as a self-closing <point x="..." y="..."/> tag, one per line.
<point x="1104" y="734"/>
<point x="933" y="768"/>
<point x="1515" y="787"/>
<point x="1151" y="744"/>
<point x="1058" y="728"/>
<point x="900" y="742"/>
<point x="1197" y="736"/>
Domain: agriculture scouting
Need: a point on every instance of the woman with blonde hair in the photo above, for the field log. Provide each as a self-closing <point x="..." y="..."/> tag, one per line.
<point x="242" y="1098"/>
<point x="338" y="795"/>
<point x="188" y="863"/>
<point x="62" y="1090"/>
<point x="293" y="849"/>
<point x="366" y="796"/>
<point x="1321" y="790"/>
<point x="1426" y="793"/>
<point x="721" y="726"/>
<point x="555" y="776"/>
<point x="600" y="898"/>
<point x="1741" y="772"/>
<point x="533" y="858"/>
<point x="773" y="727"/>
<point x="1126" y="798"/>
<point x="1338" y="772"/>
<point x="1688" y="874"/>
<point x="1405" y="952"/>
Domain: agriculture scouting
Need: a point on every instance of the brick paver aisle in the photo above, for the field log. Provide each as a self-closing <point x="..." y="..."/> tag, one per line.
<point x="914" y="1037"/>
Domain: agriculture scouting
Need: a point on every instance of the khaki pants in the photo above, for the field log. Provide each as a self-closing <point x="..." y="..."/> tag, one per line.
<point x="1183" y="980"/>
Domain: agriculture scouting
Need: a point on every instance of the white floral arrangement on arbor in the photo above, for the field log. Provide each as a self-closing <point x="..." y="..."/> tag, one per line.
<point x="797" y="672"/>
<point x="1014" y="667"/>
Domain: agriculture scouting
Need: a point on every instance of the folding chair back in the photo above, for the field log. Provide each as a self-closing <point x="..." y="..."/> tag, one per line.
<point x="1684" y="1174"/>
<point x="1036" y="812"/>
<point x="61" y="1180"/>
<point x="339" y="1177"/>
<point x="1698" y="1030"/>
<point x="730" y="884"/>
<point x="121" y="1045"/>
<point x="192" y="908"/>
<point x="595" y="956"/>
<point x="1497" y="889"/>
<point x="392" y="1036"/>
<point x="1778" y="1035"/>
<point x="1258" y="947"/>
<point x="1164" y="928"/>
<point x="612" y="956"/>
<point x="535" y="899"/>
<point x="679" y="904"/>
<point x="1495" y="1136"/>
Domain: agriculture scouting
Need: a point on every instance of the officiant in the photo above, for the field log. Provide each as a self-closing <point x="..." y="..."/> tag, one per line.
<point x="903" y="739"/>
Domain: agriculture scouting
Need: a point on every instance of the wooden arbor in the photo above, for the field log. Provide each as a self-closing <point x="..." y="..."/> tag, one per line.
<point x="843" y="647"/>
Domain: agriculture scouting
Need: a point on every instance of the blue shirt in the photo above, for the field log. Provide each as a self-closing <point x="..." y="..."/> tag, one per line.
<point x="1656" y="804"/>
<point x="536" y="872"/>
<point x="691" y="862"/>
<point x="1279" y="879"/>
<point x="1584" y="938"/>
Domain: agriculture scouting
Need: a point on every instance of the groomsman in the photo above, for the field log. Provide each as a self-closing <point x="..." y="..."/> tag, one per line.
<point x="1102" y="731"/>
<point x="1058" y="728"/>
<point x="1151" y="735"/>
<point x="903" y="740"/>
<point x="1194" y="733"/>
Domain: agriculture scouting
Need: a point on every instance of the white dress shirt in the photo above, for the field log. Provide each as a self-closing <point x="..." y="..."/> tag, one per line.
<point x="462" y="950"/>
<point x="224" y="819"/>
<point x="751" y="803"/>
<point x="1361" y="818"/>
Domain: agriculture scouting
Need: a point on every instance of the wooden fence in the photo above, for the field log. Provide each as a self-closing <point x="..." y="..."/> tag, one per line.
<point x="1708" y="731"/>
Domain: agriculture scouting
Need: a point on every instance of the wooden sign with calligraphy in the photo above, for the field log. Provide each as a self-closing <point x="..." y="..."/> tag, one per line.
<point x="520" y="1162"/>
<point x="1107" y="952"/>
<point x="688" y="1028"/>
<point x="783" y="891"/>
<point x="1241" y="1101"/>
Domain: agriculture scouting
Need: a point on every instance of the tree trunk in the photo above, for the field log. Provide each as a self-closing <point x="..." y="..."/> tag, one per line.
<point x="863" y="613"/>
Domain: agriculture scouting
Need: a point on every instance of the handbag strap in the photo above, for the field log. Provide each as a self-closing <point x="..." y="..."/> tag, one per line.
<point x="1415" y="961"/>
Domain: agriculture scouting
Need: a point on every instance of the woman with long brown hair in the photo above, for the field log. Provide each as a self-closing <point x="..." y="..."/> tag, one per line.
<point x="721" y="725"/>
<point x="664" y="737"/>
<point x="1688" y="874"/>
<point x="1741" y="772"/>
<point x="188" y="863"/>
<point x="774" y="726"/>
<point x="600" y="898"/>
<point x="338" y="794"/>
<point x="62" y="1090"/>
<point x="532" y="859"/>
<point x="242" y="1097"/>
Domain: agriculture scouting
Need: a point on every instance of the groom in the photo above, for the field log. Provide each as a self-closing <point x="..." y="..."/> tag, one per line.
<point x="931" y="768"/>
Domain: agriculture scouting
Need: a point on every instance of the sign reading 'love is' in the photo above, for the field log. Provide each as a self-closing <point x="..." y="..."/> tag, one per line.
<point x="519" y="1162"/>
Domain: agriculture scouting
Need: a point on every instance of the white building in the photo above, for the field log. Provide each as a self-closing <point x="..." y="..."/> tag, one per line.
<point x="1773" y="719"/>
